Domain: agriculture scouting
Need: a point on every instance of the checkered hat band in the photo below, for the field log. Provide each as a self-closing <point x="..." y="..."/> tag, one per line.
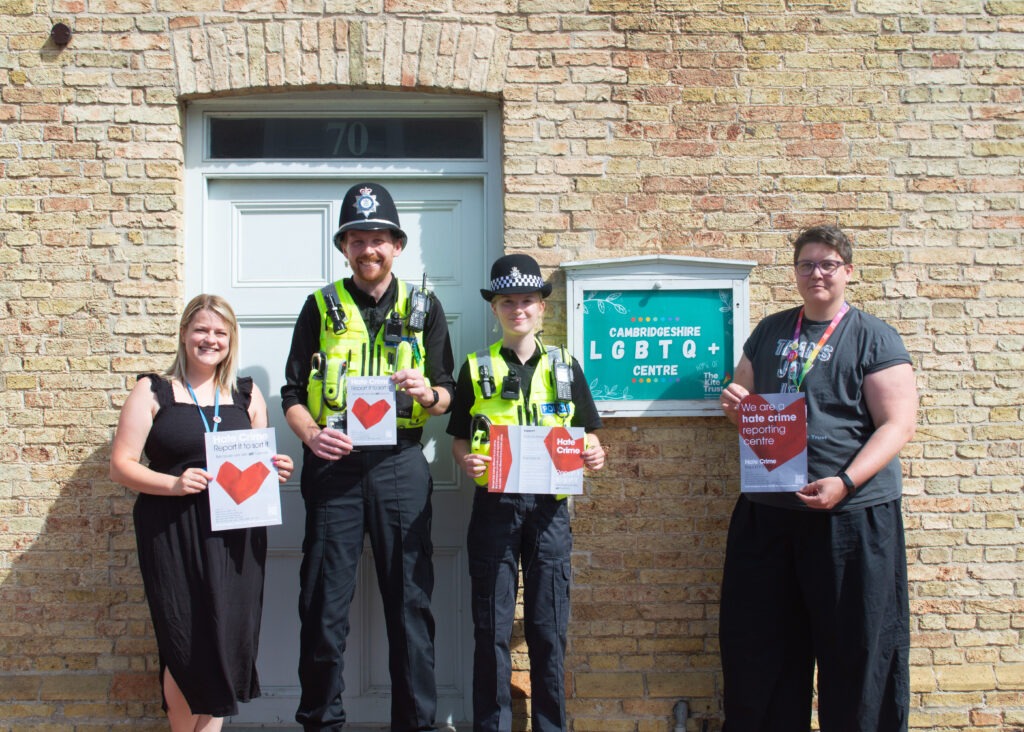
<point x="517" y="280"/>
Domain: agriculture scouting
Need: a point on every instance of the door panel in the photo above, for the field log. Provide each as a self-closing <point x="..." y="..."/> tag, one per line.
<point x="266" y="247"/>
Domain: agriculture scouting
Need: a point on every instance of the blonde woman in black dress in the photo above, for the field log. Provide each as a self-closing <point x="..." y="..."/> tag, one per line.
<point x="204" y="588"/>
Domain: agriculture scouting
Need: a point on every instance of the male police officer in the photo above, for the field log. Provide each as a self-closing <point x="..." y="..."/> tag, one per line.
<point x="368" y="324"/>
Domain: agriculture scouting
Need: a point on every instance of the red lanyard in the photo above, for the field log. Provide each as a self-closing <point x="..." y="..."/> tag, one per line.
<point x="794" y="346"/>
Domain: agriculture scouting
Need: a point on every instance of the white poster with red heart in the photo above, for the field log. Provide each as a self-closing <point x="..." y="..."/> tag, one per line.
<point x="527" y="459"/>
<point x="773" y="443"/>
<point x="244" y="491"/>
<point x="371" y="417"/>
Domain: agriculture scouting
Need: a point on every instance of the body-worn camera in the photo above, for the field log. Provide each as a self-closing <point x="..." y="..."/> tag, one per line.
<point x="510" y="386"/>
<point x="393" y="330"/>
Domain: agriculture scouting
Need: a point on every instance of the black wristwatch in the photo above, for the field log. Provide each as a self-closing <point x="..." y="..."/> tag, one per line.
<point x="851" y="487"/>
<point x="437" y="398"/>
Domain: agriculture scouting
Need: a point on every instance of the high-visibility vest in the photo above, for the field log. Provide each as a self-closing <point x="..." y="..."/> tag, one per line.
<point x="351" y="353"/>
<point x="542" y="408"/>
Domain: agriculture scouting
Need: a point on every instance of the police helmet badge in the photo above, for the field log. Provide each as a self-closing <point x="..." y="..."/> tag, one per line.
<point x="366" y="202"/>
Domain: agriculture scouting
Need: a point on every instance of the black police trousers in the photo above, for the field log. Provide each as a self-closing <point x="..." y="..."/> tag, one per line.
<point x="504" y="530"/>
<point x="384" y="493"/>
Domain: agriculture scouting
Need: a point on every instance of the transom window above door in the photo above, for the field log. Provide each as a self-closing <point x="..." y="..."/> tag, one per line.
<point x="417" y="137"/>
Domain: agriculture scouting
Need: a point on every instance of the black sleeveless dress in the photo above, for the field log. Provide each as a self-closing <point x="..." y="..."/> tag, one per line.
<point x="204" y="588"/>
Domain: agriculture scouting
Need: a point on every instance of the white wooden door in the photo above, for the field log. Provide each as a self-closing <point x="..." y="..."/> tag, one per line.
<point x="265" y="247"/>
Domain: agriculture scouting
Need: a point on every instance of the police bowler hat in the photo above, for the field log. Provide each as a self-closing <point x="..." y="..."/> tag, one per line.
<point x="368" y="207"/>
<point x="515" y="274"/>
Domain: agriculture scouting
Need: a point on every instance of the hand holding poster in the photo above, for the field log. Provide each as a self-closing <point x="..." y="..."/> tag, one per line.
<point x="773" y="442"/>
<point x="245" y="490"/>
<point x="547" y="460"/>
<point x="371" y="411"/>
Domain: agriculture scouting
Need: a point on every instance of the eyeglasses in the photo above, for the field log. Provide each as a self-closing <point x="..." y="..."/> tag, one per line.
<point x="827" y="267"/>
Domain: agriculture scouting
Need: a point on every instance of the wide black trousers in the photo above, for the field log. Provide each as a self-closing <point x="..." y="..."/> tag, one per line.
<point x="806" y="587"/>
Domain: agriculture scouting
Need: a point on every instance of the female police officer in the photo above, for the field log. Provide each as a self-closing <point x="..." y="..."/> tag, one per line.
<point x="514" y="382"/>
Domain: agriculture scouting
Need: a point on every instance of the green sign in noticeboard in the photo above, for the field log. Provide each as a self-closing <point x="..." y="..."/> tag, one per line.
<point x="655" y="345"/>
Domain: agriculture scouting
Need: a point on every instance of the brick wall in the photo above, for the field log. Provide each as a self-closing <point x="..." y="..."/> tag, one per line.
<point x="631" y="127"/>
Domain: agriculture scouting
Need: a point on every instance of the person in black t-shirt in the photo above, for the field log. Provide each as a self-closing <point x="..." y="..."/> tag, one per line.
<point x="819" y="576"/>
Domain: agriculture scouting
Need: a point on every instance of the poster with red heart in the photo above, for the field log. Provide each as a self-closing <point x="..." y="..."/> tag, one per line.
<point x="244" y="491"/>
<point x="547" y="460"/>
<point x="773" y="442"/>
<point x="372" y="416"/>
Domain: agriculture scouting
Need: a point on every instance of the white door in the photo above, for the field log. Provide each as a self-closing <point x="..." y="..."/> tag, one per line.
<point x="265" y="247"/>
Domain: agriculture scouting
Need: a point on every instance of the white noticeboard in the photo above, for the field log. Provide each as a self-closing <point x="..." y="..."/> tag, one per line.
<point x="658" y="336"/>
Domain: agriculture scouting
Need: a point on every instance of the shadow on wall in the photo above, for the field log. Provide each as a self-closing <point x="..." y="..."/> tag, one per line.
<point x="76" y="644"/>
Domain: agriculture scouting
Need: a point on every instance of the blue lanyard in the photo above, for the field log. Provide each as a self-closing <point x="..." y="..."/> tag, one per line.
<point x="216" y="408"/>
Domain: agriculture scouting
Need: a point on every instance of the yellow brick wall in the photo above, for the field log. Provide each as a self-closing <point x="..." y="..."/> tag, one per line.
<point x="630" y="127"/>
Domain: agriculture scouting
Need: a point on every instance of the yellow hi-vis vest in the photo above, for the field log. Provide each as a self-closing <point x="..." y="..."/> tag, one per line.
<point x="350" y="353"/>
<point x="543" y="408"/>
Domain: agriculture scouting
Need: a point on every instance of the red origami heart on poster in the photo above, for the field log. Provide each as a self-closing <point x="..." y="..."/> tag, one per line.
<point x="369" y="414"/>
<point x="241" y="485"/>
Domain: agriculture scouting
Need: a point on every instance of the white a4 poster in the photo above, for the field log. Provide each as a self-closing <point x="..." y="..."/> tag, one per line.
<point x="244" y="491"/>
<point x="528" y="459"/>
<point x="372" y="418"/>
<point x="773" y="442"/>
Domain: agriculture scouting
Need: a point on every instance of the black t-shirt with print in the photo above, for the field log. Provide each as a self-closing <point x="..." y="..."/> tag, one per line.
<point x="838" y="421"/>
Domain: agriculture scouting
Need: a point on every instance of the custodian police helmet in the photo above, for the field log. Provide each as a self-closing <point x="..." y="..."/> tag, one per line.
<point x="368" y="207"/>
